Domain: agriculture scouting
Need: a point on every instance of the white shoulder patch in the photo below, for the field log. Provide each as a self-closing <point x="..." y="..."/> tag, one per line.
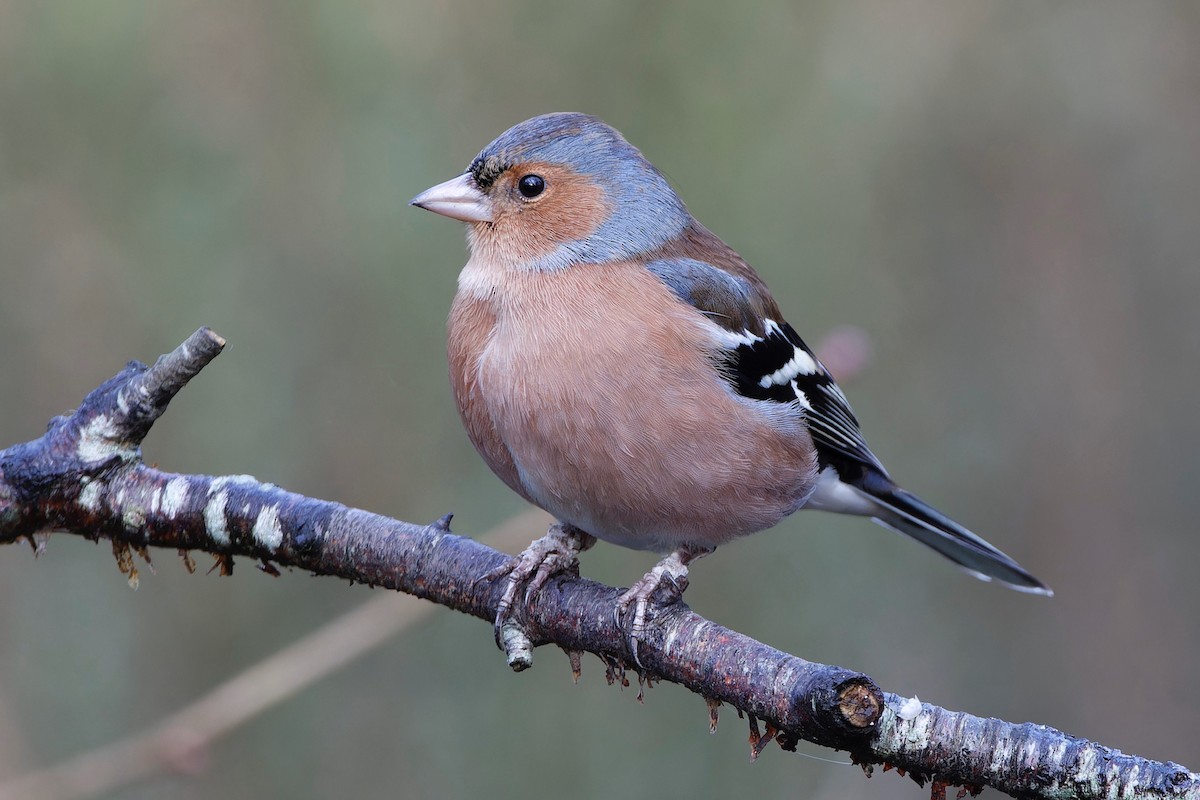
<point x="731" y="340"/>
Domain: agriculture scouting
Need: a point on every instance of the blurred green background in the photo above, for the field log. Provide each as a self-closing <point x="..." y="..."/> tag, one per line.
<point x="1005" y="196"/>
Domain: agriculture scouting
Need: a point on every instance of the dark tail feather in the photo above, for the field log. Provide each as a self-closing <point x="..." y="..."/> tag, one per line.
<point x="913" y="517"/>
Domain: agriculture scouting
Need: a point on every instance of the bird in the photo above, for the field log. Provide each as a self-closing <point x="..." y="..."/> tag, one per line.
<point x="617" y="364"/>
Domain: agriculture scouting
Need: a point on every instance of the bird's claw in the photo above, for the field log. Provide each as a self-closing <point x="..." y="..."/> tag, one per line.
<point x="660" y="587"/>
<point x="556" y="552"/>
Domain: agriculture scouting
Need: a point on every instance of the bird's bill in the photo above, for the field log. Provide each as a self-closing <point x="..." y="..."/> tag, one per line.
<point x="457" y="198"/>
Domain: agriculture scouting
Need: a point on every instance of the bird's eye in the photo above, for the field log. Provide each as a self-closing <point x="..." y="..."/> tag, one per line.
<point x="531" y="186"/>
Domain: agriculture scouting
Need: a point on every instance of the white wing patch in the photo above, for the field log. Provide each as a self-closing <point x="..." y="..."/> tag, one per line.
<point x="801" y="364"/>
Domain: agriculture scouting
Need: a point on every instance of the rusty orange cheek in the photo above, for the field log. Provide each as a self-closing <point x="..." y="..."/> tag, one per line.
<point x="573" y="208"/>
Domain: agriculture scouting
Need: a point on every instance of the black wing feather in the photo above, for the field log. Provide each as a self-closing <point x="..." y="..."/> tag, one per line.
<point x="831" y="421"/>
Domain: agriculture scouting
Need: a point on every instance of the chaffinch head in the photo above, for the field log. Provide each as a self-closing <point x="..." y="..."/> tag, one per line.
<point x="617" y="364"/>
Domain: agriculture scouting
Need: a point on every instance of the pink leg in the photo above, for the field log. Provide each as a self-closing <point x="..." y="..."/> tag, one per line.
<point x="661" y="586"/>
<point x="544" y="558"/>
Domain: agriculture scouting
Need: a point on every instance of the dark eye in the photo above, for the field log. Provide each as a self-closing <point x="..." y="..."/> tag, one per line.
<point x="531" y="185"/>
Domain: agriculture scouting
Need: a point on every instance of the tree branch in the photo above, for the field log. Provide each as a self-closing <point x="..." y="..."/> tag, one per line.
<point x="86" y="476"/>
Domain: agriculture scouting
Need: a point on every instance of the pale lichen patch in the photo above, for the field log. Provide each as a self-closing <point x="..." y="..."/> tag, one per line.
<point x="267" y="530"/>
<point x="1131" y="781"/>
<point x="98" y="440"/>
<point x="238" y="479"/>
<point x="909" y="709"/>
<point x="1085" y="771"/>
<point x="1030" y="752"/>
<point x="123" y="399"/>
<point x="134" y="518"/>
<point x="1001" y="756"/>
<point x="89" y="495"/>
<point x="672" y="636"/>
<point x="214" y="516"/>
<point x="918" y="728"/>
<point x="174" y="497"/>
<point x="218" y="503"/>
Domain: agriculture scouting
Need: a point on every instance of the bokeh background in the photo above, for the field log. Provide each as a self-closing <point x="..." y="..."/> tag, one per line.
<point x="1004" y="196"/>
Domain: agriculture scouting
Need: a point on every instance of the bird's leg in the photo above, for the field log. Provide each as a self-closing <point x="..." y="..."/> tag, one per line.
<point x="555" y="552"/>
<point x="661" y="586"/>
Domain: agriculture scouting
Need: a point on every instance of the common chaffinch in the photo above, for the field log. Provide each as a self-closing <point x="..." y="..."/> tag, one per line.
<point x="618" y="365"/>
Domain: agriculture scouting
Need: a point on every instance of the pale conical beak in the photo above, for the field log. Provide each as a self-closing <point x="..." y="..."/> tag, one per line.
<point x="457" y="198"/>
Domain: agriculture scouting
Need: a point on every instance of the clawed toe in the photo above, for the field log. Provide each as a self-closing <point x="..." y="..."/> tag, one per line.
<point x="660" y="587"/>
<point x="554" y="553"/>
<point x="557" y="552"/>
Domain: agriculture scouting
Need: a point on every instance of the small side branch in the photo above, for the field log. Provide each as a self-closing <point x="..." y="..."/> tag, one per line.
<point x="86" y="476"/>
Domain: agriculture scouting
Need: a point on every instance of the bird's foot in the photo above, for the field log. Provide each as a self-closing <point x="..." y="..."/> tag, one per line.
<point x="556" y="552"/>
<point x="660" y="587"/>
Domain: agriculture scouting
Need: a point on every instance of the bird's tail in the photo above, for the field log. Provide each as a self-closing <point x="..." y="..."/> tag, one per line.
<point x="892" y="507"/>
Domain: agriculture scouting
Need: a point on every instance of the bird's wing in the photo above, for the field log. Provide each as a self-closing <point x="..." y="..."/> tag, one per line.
<point x="767" y="360"/>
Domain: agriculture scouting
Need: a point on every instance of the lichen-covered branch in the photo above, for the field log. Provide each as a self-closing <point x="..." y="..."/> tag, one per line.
<point x="86" y="476"/>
